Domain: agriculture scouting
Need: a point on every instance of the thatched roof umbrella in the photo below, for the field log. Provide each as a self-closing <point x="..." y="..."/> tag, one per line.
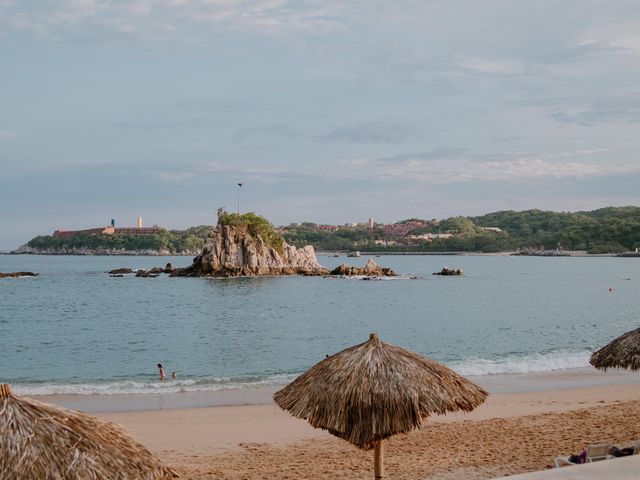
<point x="374" y="390"/>
<point x="42" y="441"/>
<point x="623" y="352"/>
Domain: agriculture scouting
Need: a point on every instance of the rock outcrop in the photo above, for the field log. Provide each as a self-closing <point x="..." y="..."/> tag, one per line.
<point x="450" y="272"/>
<point x="231" y="251"/>
<point x="120" y="271"/>
<point x="371" y="269"/>
<point x="17" y="274"/>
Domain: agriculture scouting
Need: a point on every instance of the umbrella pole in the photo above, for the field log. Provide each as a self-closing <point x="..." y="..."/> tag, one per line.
<point x="378" y="459"/>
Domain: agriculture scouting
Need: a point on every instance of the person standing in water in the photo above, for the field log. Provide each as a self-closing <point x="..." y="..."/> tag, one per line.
<point x="162" y="375"/>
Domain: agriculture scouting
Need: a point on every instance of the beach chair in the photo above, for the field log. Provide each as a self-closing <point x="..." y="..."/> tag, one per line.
<point x="595" y="453"/>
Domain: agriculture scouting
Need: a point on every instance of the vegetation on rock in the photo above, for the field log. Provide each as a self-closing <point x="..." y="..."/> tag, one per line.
<point x="256" y="225"/>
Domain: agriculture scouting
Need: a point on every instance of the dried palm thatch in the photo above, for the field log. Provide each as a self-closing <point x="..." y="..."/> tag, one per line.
<point x="374" y="390"/>
<point x="46" y="442"/>
<point x="623" y="352"/>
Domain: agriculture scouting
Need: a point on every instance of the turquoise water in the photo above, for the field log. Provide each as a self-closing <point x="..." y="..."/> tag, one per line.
<point x="74" y="329"/>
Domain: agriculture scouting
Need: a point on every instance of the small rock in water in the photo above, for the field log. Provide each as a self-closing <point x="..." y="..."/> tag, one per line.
<point x="450" y="271"/>
<point x="120" y="271"/>
<point x="18" y="274"/>
<point x="370" y="270"/>
<point x="147" y="273"/>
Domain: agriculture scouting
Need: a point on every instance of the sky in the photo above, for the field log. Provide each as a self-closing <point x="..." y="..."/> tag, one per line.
<point x="328" y="111"/>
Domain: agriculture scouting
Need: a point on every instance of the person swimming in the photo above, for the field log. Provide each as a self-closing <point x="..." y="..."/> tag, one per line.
<point x="162" y="374"/>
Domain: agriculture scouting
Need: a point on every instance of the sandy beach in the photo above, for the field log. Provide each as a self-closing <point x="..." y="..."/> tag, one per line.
<point x="511" y="433"/>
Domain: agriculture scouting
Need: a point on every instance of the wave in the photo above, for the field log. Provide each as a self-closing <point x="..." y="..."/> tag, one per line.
<point x="145" y="386"/>
<point x="523" y="363"/>
<point x="478" y="367"/>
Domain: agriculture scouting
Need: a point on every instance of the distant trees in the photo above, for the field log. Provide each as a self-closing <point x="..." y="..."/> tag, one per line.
<point x="175" y="241"/>
<point x="611" y="229"/>
<point x="607" y="230"/>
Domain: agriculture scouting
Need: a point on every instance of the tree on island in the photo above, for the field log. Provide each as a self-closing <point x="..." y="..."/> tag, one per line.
<point x="256" y="225"/>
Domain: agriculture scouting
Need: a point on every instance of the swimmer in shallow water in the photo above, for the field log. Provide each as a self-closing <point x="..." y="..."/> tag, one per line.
<point x="162" y="374"/>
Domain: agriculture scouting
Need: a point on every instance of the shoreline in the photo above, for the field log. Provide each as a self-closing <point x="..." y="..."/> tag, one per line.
<point x="512" y="383"/>
<point x="510" y="433"/>
<point x="527" y="420"/>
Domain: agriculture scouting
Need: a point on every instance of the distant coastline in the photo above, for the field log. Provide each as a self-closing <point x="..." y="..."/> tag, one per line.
<point x="125" y="253"/>
<point x="607" y="231"/>
<point x="155" y="253"/>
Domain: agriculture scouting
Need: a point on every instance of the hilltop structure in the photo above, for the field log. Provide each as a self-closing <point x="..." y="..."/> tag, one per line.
<point x="111" y="230"/>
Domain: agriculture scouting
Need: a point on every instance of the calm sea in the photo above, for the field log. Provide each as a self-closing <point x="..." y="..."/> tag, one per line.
<point x="74" y="329"/>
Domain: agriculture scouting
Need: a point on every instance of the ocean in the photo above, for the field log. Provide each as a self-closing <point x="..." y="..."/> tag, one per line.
<point x="75" y="330"/>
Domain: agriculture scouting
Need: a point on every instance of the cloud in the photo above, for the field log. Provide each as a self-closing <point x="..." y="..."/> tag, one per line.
<point x="192" y="122"/>
<point x="385" y="130"/>
<point x="7" y="135"/>
<point x="455" y="166"/>
<point x="171" y="177"/>
<point x="491" y="66"/>
<point x="581" y="50"/>
<point x="617" y="109"/>
<point x="166" y="18"/>
<point x="277" y="130"/>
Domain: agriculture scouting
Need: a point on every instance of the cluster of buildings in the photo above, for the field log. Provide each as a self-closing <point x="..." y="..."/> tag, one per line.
<point x="392" y="229"/>
<point x="395" y="233"/>
<point x="111" y="230"/>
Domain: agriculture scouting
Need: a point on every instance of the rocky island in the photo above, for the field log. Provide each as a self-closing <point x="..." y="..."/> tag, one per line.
<point x="249" y="245"/>
<point x="245" y="245"/>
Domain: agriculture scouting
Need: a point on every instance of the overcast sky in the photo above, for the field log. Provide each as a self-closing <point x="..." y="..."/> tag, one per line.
<point x="329" y="111"/>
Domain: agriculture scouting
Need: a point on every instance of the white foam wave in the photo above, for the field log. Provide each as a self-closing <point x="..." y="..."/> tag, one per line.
<point x="530" y="363"/>
<point x="516" y="363"/>
<point x="138" y="386"/>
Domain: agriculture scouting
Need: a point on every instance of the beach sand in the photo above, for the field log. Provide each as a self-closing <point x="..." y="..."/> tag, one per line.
<point x="510" y="433"/>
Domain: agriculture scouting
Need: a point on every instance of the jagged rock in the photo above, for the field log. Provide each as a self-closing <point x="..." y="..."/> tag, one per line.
<point x="120" y="271"/>
<point x="371" y="269"/>
<point x="18" y="274"/>
<point x="231" y="251"/>
<point x="156" y="270"/>
<point x="117" y="275"/>
<point x="450" y="271"/>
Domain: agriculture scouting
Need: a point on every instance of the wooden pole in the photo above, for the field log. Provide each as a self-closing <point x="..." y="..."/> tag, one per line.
<point x="378" y="460"/>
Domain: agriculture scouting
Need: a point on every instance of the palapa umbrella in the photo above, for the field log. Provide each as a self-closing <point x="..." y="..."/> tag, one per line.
<point x="374" y="390"/>
<point x="40" y="441"/>
<point x="623" y="352"/>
